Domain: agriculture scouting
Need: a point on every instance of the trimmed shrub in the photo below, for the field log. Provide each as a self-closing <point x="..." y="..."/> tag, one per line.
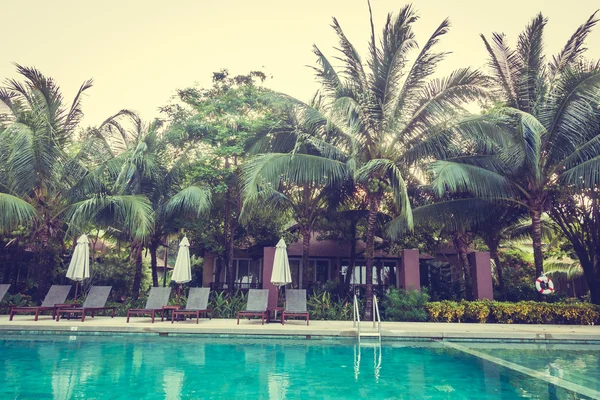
<point x="523" y="312"/>
<point x="405" y="305"/>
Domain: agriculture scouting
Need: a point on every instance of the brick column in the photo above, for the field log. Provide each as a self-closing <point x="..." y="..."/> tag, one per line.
<point x="408" y="274"/>
<point x="481" y="275"/>
<point x="208" y="269"/>
<point x="268" y="259"/>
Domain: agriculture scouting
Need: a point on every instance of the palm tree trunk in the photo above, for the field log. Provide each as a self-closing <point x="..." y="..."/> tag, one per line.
<point x="370" y="252"/>
<point x="307" y="272"/>
<point x="166" y="261"/>
<point x="229" y="235"/>
<point x="492" y="244"/>
<point x="536" y="236"/>
<point x="352" y="261"/>
<point x="136" y="255"/>
<point x="154" y="262"/>
<point x="460" y="243"/>
<point x="593" y="281"/>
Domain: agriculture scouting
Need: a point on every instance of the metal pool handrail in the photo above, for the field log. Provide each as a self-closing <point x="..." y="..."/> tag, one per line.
<point x="356" y="316"/>
<point x="376" y="314"/>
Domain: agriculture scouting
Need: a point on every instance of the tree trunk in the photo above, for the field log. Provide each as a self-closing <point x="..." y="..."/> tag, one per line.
<point x="536" y="235"/>
<point x="218" y="269"/>
<point x="229" y="234"/>
<point x="493" y="246"/>
<point x="369" y="253"/>
<point x="307" y="272"/>
<point x="460" y="243"/>
<point x="593" y="281"/>
<point x="136" y="255"/>
<point x="154" y="262"/>
<point x="166" y="261"/>
<point x="352" y="261"/>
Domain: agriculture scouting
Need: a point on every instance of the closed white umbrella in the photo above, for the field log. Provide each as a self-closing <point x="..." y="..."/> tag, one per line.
<point x="182" y="273"/>
<point x="79" y="267"/>
<point x="281" y="274"/>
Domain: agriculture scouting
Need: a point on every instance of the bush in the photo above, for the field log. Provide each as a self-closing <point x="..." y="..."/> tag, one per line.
<point x="405" y="305"/>
<point x="321" y="306"/>
<point x="524" y="312"/>
<point x="225" y="305"/>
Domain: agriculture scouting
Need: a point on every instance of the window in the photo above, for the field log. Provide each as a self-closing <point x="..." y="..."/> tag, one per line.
<point x="321" y="268"/>
<point x="246" y="272"/>
<point x="295" y="271"/>
<point x="383" y="272"/>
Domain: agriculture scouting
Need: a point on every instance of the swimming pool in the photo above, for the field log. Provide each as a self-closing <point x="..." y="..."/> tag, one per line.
<point x="149" y="367"/>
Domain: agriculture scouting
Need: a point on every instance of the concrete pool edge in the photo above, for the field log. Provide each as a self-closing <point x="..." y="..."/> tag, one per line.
<point x="557" y="381"/>
<point x="391" y="331"/>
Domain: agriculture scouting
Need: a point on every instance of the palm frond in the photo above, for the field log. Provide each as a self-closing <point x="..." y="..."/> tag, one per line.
<point x="192" y="200"/>
<point x="131" y="213"/>
<point x="529" y="87"/>
<point x="13" y="212"/>
<point x="455" y="177"/>
<point x="505" y="66"/>
<point x="574" y="48"/>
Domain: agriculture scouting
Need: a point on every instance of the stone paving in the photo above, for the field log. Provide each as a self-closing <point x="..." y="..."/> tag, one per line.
<point x="390" y="330"/>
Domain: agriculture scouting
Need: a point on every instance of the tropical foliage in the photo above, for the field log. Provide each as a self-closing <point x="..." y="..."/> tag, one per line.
<point x="385" y="156"/>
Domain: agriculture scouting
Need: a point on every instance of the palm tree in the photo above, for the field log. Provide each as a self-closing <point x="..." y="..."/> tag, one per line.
<point x="383" y="116"/>
<point x="544" y="136"/>
<point x="148" y="165"/>
<point x="41" y="167"/>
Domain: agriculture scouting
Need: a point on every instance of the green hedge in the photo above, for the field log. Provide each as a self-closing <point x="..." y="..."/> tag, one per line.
<point x="523" y="312"/>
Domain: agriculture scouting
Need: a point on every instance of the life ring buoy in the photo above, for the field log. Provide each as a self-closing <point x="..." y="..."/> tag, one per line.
<point x="544" y="285"/>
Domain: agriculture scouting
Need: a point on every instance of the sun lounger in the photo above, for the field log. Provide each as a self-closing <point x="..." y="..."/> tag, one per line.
<point x="56" y="297"/>
<point x="295" y="304"/>
<point x="94" y="302"/>
<point x="157" y="300"/>
<point x="257" y="305"/>
<point x="197" y="303"/>
<point x="3" y="291"/>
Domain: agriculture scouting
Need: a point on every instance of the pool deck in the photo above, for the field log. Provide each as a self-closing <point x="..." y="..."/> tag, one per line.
<point x="390" y="330"/>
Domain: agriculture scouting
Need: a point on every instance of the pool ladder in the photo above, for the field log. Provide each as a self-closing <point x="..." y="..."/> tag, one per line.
<point x="376" y="322"/>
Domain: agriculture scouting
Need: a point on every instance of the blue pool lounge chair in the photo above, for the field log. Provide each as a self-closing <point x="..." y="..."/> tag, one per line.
<point x="295" y="304"/>
<point x="197" y="304"/>
<point x="56" y="297"/>
<point x="3" y="290"/>
<point x="157" y="300"/>
<point x="258" y="300"/>
<point x="94" y="302"/>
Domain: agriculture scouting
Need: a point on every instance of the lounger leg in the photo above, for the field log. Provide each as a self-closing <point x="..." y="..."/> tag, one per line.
<point x="37" y="312"/>
<point x="238" y="319"/>
<point x="262" y="318"/>
<point x="57" y="316"/>
<point x="127" y="316"/>
<point x="12" y="314"/>
<point x="83" y="315"/>
<point x="282" y="317"/>
<point x="113" y="313"/>
<point x="307" y="318"/>
<point x="153" y="317"/>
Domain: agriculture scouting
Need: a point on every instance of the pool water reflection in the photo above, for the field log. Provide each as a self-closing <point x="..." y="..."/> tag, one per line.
<point x="187" y="368"/>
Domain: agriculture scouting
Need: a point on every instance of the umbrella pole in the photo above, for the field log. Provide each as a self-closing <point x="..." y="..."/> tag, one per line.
<point x="178" y="294"/>
<point x="76" y="287"/>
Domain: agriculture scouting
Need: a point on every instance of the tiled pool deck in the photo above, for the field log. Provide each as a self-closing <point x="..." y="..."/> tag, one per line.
<point x="390" y="330"/>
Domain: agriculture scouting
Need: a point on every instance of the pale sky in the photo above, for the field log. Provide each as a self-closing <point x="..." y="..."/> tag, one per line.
<point x="139" y="52"/>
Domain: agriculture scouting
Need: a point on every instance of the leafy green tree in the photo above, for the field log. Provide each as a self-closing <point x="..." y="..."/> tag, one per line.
<point x="223" y="122"/>
<point x="383" y="116"/>
<point x="543" y="137"/>
<point x="41" y="166"/>
<point x="146" y="163"/>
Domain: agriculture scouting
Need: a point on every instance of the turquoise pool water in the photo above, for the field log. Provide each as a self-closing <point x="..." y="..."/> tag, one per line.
<point x="83" y="367"/>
